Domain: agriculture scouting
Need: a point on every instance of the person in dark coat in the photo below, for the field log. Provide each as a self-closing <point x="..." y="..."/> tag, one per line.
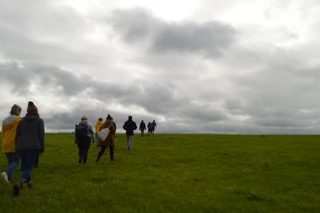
<point x="84" y="133"/>
<point x="110" y="140"/>
<point x="153" y="126"/>
<point x="29" y="144"/>
<point x="130" y="126"/>
<point x="142" y="127"/>
<point x="149" y="128"/>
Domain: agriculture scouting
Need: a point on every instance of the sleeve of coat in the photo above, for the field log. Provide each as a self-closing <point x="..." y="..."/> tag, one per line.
<point x="41" y="134"/>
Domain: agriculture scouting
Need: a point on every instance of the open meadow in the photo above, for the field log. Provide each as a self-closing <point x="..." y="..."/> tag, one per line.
<point x="175" y="173"/>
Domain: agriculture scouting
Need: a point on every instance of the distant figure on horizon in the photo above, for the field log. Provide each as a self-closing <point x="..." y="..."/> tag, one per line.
<point x="153" y="126"/>
<point x="110" y="140"/>
<point x="130" y="126"/>
<point x="9" y="130"/>
<point x="149" y="128"/>
<point x="142" y="127"/>
<point x="29" y="144"/>
<point x="84" y="135"/>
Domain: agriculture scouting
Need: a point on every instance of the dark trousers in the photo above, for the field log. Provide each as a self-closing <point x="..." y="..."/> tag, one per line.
<point x="142" y="132"/>
<point x="83" y="145"/>
<point x="103" y="149"/>
<point x="36" y="162"/>
<point x="28" y="158"/>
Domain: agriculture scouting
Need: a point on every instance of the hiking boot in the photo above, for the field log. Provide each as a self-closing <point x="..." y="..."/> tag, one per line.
<point x="16" y="191"/>
<point x="5" y="177"/>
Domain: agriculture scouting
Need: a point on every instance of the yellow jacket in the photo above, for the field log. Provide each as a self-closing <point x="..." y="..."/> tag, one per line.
<point x="9" y="130"/>
<point x="98" y="125"/>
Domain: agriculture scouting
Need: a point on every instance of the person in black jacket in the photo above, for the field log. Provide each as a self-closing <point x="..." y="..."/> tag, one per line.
<point x="84" y="135"/>
<point x="130" y="126"/>
<point x="142" y="127"/>
<point x="29" y="144"/>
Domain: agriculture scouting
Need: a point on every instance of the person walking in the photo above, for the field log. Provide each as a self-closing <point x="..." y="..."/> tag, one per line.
<point x="142" y="127"/>
<point x="98" y="125"/>
<point x="29" y="144"/>
<point x="149" y="128"/>
<point x="84" y="135"/>
<point x="153" y="126"/>
<point x="130" y="126"/>
<point x="9" y="132"/>
<point x="110" y="139"/>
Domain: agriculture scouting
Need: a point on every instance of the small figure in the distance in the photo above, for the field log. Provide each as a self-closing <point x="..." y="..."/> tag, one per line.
<point x="142" y="127"/>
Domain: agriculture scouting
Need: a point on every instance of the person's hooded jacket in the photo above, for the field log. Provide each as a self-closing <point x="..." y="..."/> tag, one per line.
<point x="98" y="125"/>
<point x="9" y="131"/>
<point x="130" y="126"/>
<point x="30" y="132"/>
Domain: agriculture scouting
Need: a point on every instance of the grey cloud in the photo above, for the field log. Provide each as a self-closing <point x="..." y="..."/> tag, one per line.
<point x="278" y="94"/>
<point x="21" y="77"/>
<point x="256" y="88"/>
<point x="17" y="77"/>
<point x="135" y="25"/>
<point x="202" y="113"/>
<point x="41" y="19"/>
<point x="43" y="31"/>
<point x="208" y="38"/>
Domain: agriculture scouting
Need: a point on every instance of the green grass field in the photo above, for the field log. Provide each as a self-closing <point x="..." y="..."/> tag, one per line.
<point x="175" y="173"/>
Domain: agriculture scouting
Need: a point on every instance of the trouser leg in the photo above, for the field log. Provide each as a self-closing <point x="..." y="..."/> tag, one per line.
<point x="102" y="149"/>
<point x="86" y="149"/>
<point x="80" y="147"/>
<point x="13" y="162"/>
<point x="111" y="150"/>
<point x="130" y="142"/>
<point x="29" y="157"/>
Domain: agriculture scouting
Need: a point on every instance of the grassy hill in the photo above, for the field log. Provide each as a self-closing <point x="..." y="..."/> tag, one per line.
<point x="175" y="173"/>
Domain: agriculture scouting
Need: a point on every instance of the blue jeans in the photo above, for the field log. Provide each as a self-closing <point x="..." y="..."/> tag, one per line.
<point x="130" y="141"/>
<point x="28" y="158"/>
<point x="13" y="162"/>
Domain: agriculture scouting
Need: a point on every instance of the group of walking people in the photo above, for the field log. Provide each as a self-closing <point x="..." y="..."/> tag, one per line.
<point x="23" y="142"/>
<point x="151" y="127"/>
<point x="84" y="135"/>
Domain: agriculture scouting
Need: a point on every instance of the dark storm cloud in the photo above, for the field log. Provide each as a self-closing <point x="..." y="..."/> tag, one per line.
<point x="208" y="39"/>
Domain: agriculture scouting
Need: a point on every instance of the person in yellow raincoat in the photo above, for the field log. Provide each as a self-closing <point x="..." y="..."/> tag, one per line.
<point x="9" y="131"/>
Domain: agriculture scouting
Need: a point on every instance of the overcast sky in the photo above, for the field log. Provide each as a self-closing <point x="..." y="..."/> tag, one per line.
<point x="196" y="66"/>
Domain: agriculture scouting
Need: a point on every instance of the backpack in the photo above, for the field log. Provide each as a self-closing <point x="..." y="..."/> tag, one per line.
<point x="82" y="129"/>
